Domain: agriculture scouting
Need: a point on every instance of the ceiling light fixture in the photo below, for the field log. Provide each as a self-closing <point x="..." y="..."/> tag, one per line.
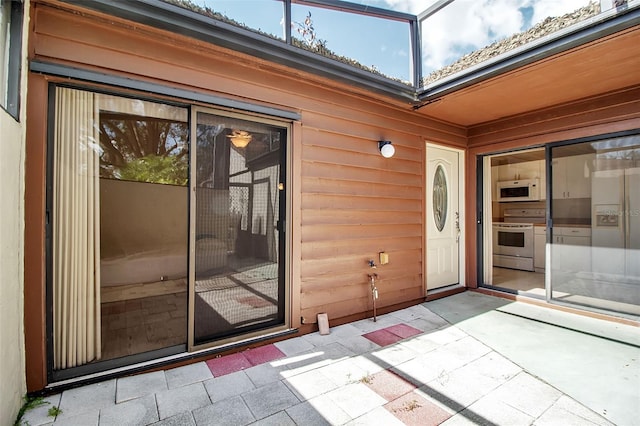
<point x="240" y="138"/>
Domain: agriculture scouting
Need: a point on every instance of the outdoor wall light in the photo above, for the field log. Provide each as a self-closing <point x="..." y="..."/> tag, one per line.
<point x="386" y="149"/>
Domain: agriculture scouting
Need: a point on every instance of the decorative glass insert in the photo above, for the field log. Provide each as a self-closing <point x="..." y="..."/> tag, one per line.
<point x="439" y="198"/>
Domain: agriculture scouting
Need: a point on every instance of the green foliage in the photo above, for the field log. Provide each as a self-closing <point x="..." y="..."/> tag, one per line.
<point x="54" y="411"/>
<point x="157" y="169"/>
<point x="30" y="402"/>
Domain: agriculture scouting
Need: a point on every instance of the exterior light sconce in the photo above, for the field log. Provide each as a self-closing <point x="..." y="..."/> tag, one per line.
<point x="386" y="149"/>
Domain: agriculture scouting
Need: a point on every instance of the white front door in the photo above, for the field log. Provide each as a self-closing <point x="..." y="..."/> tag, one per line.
<point x="443" y="217"/>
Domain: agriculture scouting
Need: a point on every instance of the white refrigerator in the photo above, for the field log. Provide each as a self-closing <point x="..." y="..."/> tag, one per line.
<point x="615" y="222"/>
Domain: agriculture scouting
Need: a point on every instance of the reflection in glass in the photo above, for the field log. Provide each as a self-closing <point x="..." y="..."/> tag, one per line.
<point x="380" y="45"/>
<point x="465" y="33"/>
<point x="144" y="199"/>
<point x="264" y="16"/>
<point x="119" y="227"/>
<point x="142" y="141"/>
<point x="237" y="244"/>
<point x="595" y="251"/>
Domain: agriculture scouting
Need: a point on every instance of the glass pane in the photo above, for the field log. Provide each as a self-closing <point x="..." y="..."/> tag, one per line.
<point x="514" y="239"/>
<point x="595" y="249"/>
<point x="144" y="234"/>
<point x="143" y="141"/>
<point x="468" y="32"/>
<point x="439" y="198"/>
<point x="238" y="207"/>
<point x="5" y="23"/>
<point x="377" y="44"/>
<point x="264" y="16"/>
<point x="119" y="227"/>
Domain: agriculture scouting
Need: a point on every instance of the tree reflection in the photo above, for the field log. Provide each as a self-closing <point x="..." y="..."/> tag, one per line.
<point x="143" y="149"/>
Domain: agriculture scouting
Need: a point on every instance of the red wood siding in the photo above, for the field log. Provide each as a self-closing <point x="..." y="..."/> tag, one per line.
<point x="347" y="201"/>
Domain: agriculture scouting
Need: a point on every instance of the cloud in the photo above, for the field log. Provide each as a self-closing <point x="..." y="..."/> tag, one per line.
<point x="408" y="6"/>
<point x="467" y="25"/>
<point x="545" y="8"/>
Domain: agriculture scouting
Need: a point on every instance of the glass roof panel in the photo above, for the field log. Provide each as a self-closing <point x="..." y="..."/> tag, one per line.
<point x="378" y="44"/>
<point x="465" y="33"/>
<point x="265" y="16"/>
<point x="457" y="35"/>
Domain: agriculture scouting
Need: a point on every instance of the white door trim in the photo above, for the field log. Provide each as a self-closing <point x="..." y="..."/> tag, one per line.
<point x="462" y="210"/>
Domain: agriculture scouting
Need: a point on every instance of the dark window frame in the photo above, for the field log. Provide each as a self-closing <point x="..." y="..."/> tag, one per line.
<point x="14" y="66"/>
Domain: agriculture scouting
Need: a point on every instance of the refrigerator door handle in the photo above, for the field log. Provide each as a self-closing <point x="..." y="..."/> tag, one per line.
<point x="627" y="212"/>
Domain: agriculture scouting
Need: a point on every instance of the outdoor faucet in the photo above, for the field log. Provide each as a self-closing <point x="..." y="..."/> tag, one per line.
<point x="374" y="291"/>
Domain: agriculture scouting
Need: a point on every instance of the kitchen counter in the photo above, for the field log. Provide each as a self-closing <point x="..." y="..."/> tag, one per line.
<point x="572" y="225"/>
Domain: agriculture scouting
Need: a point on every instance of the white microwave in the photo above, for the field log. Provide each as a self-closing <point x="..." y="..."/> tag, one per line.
<point x="519" y="190"/>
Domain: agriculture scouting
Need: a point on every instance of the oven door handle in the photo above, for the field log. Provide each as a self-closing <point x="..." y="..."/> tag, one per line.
<point x="514" y="227"/>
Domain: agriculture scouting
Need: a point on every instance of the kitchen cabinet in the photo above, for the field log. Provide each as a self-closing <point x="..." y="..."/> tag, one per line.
<point x="495" y="176"/>
<point x="571" y="248"/>
<point x="572" y="235"/>
<point x="572" y="176"/>
<point x="542" y="173"/>
<point x="519" y="171"/>
<point x="539" y="248"/>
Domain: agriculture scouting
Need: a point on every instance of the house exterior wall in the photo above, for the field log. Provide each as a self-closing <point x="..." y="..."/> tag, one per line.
<point x="347" y="202"/>
<point x="12" y="352"/>
<point x="12" y="384"/>
<point x="609" y="113"/>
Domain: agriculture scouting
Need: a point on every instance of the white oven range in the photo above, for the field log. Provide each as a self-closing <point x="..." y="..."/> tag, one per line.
<point x="513" y="238"/>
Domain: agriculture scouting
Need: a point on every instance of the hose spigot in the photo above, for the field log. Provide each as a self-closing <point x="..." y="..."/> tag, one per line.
<point x="374" y="292"/>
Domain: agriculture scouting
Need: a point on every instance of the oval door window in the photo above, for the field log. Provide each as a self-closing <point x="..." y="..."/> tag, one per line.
<point x="439" y="198"/>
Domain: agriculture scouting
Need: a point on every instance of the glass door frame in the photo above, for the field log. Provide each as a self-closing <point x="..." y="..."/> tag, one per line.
<point x="484" y="217"/>
<point x="284" y="268"/>
<point x="549" y="147"/>
<point x="483" y="188"/>
<point x="99" y="367"/>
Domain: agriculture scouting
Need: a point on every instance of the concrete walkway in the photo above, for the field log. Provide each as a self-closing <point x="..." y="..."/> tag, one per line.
<point x="467" y="359"/>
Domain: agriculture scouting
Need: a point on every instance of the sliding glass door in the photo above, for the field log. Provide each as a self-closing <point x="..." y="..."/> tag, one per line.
<point x="118" y="236"/>
<point x="595" y="240"/>
<point x="166" y="230"/>
<point x="584" y="241"/>
<point x="513" y="221"/>
<point x="237" y="226"/>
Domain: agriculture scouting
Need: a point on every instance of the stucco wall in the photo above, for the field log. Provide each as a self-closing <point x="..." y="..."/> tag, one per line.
<point x="12" y="383"/>
<point x="12" y="364"/>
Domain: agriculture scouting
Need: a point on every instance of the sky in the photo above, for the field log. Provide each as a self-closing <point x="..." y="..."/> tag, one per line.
<point x="459" y="28"/>
<point x="468" y="25"/>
